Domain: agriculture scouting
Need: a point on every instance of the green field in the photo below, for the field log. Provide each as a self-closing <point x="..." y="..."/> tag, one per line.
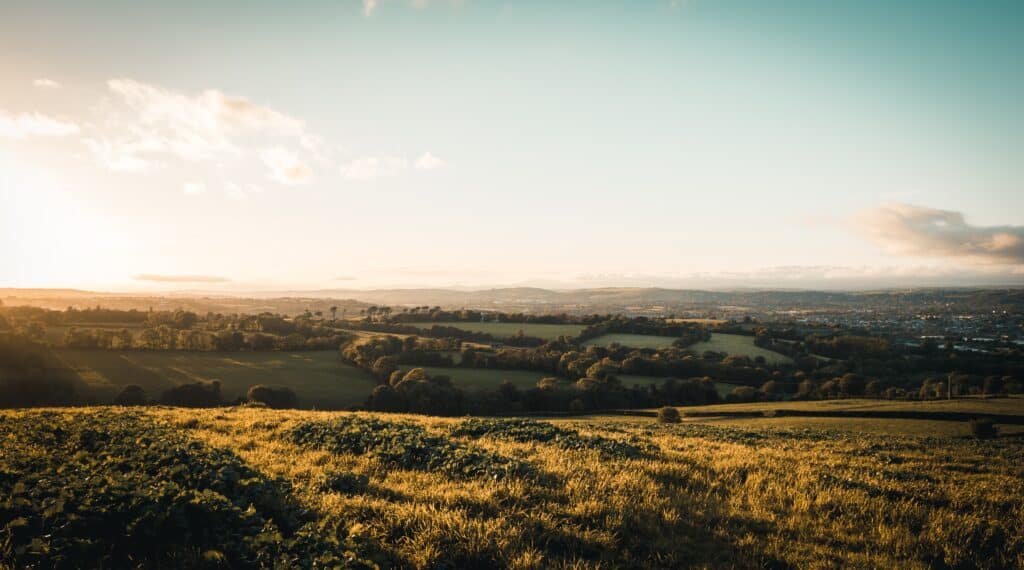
<point x="629" y="380"/>
<point x="483" y="378"/>
<point x="740" y="345"/>
<point x="1012" y="406"/>
<point x="505" y="330"/>
<point x="632" y="340"/>
<point x="317" y="377"/>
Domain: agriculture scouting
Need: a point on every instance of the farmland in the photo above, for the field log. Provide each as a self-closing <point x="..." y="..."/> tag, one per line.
<point x="55" y="333"/>
<point x="739" y="345"/>
<point x="292" y="487"/>
<point x="632" y="340"/>
<point x="318" y="377"/>
<point x="505" y="330"/>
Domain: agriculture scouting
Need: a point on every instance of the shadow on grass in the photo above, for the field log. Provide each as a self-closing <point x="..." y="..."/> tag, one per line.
<point x="115" y="489"/>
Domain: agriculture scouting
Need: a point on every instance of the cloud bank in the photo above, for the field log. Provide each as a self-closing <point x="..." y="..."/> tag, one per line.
<point x="919" y="231"/>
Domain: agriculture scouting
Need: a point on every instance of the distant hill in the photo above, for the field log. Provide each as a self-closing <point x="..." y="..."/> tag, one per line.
<point x="611" y="299"/>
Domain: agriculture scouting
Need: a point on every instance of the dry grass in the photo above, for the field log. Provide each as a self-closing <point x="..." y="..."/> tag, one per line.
<point x="703" y="496"/>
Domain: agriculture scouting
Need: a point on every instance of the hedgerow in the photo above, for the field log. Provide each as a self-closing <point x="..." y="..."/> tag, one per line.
<point x="407" y="446"/>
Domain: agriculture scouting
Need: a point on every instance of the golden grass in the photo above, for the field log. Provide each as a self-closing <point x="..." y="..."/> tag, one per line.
<point x="706" y="497"/>
<point x="810" y="502"/>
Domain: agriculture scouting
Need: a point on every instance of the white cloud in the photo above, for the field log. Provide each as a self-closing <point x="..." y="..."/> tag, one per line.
<point x="193" y="188"/>
<point x="285" y="166"/>
<point x="368" y="167"/>
<point x="118" y="157"/>
<point x="919" y="231"/>
<point x="26" y="125"/>
<point x="369" y="6"/>
<point x="46" y="83"/>
<point x="429" y="162"/>
<point x="194" y="128"/>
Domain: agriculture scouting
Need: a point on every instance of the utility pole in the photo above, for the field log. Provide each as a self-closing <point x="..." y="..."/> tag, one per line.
<point x="949" y="386"/>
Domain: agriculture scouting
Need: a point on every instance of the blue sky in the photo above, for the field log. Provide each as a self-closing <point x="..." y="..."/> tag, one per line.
<point x="328" y="144"/>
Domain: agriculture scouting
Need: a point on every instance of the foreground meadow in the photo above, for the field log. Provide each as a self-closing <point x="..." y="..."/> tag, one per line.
<point x="254" y="487"/>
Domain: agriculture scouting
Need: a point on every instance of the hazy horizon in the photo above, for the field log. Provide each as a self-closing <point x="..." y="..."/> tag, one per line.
<point x="254" y="146"/>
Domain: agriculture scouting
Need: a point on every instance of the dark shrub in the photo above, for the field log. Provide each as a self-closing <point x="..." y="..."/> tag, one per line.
<point x="195" y="395"/>
<point x="132" y="395"/>
<point x="669" y="415"/>
<point x="984" y="428"/>
<point x="384" y="398"/>
<point x="273" y="396"/>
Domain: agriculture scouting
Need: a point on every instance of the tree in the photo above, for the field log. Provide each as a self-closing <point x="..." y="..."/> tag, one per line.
<point x="194" y="395"/>
<point x="276" y="397"/>
<point x="334" y="312"/>
<point x="132" y="395"/>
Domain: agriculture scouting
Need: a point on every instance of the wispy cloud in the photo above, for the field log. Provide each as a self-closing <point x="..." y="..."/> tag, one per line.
<point x="369" y="6"/>
<point x="285" y="166"/>
<point x="46" y="83"/>
<point x="154" y="278"/>
<point x="429" y="162"/>
<point x="919" y="231"/>
<point x="369" y="167"/>
<point x="26" y="125"/>
<point x="146" y="124"/>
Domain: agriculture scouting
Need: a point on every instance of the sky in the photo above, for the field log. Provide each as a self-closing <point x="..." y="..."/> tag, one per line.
<point x="345" y="144"/>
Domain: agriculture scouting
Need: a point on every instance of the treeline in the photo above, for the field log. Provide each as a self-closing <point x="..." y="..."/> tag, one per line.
<point x="207" y="394"/>
<point x="416" y="391"/>
<point x="165" y="337"/>
<point x="580" y="381"/>
<point x="437" y="314"/>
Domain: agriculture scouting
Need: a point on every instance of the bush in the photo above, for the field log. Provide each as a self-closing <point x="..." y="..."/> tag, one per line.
<point x="195" y="395"/>
<point x="984" y="428"/>
<point x="132" y="395"/>
<point x="276" y="397"/>
<point x="400" y="445"/>
<point x="669" y="415"/>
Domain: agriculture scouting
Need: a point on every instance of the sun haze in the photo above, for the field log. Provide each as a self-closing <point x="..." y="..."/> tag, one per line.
<point x="237" y="146"/>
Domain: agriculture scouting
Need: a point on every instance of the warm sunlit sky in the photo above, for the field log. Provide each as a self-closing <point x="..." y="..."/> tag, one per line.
<point x="233" y="145"/>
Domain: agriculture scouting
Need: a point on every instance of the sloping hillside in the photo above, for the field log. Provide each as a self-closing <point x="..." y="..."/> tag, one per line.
<point x="254" y="487"/>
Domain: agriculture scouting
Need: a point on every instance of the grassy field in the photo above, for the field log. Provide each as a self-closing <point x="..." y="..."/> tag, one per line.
<point x="504" y="330"/>
<point x="632" y="340"/>
<point x="630" y="379"/>
<point x="318" y="377"/>
<point x="736" y="344"/>
<point x="1013" y="406"/>
<point x="291" y="487"/>
<point x="484" y="379"/>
